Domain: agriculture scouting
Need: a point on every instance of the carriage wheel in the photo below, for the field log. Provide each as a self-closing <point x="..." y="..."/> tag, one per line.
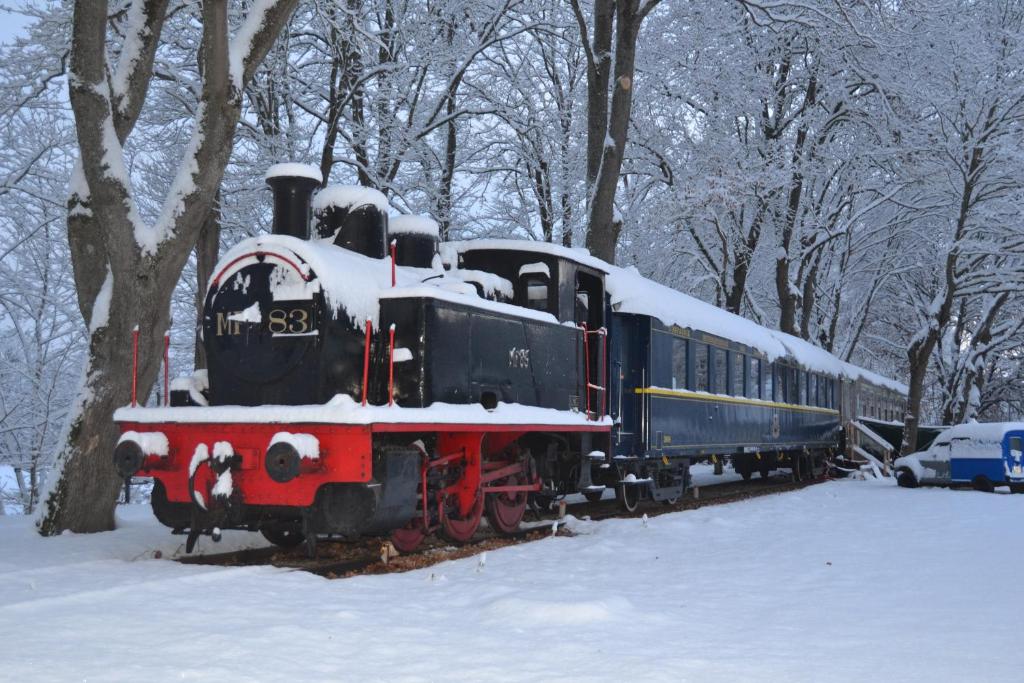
<point x="408" y="538"/>
<point x="505" y="510"/>
<point x="460" y="530"/>
<point x="628" y="496"/>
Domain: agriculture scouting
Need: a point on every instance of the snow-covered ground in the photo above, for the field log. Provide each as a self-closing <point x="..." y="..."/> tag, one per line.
<point x="845" y="581"/>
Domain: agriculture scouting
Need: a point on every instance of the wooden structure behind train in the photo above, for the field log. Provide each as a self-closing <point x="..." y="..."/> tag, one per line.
<point x="365" y="379"/>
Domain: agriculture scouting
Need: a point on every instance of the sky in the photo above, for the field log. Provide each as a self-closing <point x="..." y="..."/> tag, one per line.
<point x="11" y="22"/>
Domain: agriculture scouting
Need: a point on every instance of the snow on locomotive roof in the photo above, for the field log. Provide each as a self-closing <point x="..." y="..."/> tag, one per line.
<point x="294" y="170"/>
<point x="356" y="283"/>
<point x="578" y="255"/>
<point x="411" y="224"/>
<point x="349" y="197"/>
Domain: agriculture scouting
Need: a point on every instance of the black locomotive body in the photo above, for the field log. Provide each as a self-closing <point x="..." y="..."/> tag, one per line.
<point x="365" y="379"/>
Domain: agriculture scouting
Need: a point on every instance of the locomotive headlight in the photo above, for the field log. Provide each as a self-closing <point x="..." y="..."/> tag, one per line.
<point x="128" y="457"/>
<point x="282" y="462"/>
<point x="290" y="454"/>
<point x="133" y="448"/>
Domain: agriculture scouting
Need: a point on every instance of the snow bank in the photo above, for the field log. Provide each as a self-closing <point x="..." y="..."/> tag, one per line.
<point x="912" y="572"/>
<point x="293" y="170"/>
<point x="409" y="224"/>
<point x="349" y="197"/>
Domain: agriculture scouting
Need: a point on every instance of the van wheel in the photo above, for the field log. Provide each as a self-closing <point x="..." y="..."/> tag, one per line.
<point x="1016" y="488"/>
<point x="906" y="479"/>
<point x="982" y="483"/>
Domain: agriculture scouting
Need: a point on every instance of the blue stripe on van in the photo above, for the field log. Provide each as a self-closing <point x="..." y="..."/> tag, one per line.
<point x="966" y="469"/>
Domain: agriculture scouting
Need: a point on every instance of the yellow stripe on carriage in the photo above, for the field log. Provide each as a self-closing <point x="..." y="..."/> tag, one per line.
<point x="693" y="395"/>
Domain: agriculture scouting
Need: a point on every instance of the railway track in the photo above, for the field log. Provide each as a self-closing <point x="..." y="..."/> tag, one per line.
<point x="342" y="559"/>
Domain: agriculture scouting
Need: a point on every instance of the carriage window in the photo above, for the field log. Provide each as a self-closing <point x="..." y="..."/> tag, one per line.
<point x="700" y="366"/>
<point x="812" y="389"/>
<point x="781" y="377"/>
<point x="678" y="363"/>
<point x="536" y="292"/>
<point x="718" y="361"/>
<point x="801" y="382"/>
<point x="767" y="373"/>
<point x="754" y="383"/>
<point x="737" y="373"/>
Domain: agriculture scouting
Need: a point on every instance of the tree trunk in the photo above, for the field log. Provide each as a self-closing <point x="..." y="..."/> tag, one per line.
<point x="207" y="248"/>
<point x="125" y="272"/>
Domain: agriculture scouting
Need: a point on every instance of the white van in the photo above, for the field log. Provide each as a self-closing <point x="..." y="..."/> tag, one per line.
<point x="984" y="455"/>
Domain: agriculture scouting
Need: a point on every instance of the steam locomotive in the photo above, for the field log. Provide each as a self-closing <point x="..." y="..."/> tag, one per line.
<point x="365" y="379"/>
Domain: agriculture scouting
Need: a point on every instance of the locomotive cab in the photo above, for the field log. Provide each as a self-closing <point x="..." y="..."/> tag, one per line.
<point x="549" y="279"/>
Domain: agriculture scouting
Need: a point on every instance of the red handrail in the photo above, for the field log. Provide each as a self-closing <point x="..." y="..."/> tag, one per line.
<point x="366" y="358"/>
<point x="391" y="367"/>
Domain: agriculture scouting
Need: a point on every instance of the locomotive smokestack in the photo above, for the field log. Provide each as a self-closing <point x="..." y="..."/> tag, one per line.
<point x="293" y="185"/>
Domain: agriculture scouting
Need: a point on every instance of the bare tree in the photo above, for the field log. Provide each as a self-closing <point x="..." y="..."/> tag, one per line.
<point x="608" y="124"/>
<point x="125" y="270"/>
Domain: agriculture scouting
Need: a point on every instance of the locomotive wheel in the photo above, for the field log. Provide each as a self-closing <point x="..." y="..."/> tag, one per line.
<point x="283" y="538"/>
<point x="506" y="510"/>
<point x="764" y="472"/>
<point x="408" y="538"/>
<point x="461" y="530"/>
<point x="628" y="496"/>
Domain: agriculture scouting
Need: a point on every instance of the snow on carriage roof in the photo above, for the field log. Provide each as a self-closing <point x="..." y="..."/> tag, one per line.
<point x="349" y="197"/>
<point x="294" y="170"/>
<point x="630" y="292"/>
<point x="579" y="255"/>
<point x="412" y="224"/>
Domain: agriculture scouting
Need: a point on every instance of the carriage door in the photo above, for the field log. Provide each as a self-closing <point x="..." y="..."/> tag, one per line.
<point x="588" y="310"/>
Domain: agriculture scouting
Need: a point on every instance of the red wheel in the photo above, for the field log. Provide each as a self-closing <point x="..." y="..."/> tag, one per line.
<point x="408" y="538"/>
<point x="506" y="510"/>
<point x="461" y="530"/>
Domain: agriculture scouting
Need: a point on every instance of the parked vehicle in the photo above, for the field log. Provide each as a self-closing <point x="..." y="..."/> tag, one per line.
<point x="984" y="455"/>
